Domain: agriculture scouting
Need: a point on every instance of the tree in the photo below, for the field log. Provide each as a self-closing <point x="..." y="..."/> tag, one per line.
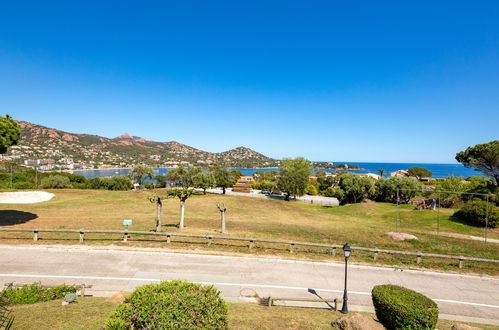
<point x="141" y="172"/>
<point x="159" y="206"/>
<point x="483" y="158"/>
<point x="387" y="189"/>
<point x="9" y="133"/>
<point x="183" y="195"/>
<point x="204" y="180"/>
<point x="294" y="177"/>
<point x="224" y="178"/>
<point x="419" y="172"/>
<point x="355" y="188"/>
<point x="222" y="210"/>
<point x="381" y="172"/>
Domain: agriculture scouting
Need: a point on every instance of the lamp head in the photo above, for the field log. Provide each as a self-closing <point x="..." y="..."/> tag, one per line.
<point x="346" y="250"/>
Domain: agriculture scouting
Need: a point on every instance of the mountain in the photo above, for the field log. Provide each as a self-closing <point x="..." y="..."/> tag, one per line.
<point x="39" y="142"/>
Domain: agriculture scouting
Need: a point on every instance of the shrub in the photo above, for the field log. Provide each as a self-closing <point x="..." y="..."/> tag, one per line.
<point x="33" y="293"/>
<point x="98" y="183"/>
<point x="23" y="185"/>
<point x="475" y="213"/>
<point x="171" y="305"/>
<point x="329" y="192"/>
<point x="120" y="182"/>
<point x="56" y="182"/>
<point x="312" y="190"/>
<point x="401" y="308"/>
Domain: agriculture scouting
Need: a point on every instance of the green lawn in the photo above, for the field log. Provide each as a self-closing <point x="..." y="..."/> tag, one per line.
<point x="91" y="313"/>
<point x="360" y="224"/>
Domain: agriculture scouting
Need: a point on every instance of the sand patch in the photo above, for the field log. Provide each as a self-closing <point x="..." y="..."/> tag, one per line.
<point x="25" y="197"/>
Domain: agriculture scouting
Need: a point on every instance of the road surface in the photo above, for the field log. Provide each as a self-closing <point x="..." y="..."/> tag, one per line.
<point x="460" y="297"/>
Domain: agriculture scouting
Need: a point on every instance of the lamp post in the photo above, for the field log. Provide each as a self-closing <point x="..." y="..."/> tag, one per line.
<point x="346" y="252"/>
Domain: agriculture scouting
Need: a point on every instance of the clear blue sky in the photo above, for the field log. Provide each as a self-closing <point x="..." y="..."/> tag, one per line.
<point x="386" y="81"/>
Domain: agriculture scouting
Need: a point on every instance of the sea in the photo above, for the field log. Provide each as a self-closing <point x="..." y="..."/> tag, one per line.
<point x="438" y="170"/>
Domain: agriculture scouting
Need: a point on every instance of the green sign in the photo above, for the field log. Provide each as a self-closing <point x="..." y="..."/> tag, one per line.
<point x="127" y="222"/>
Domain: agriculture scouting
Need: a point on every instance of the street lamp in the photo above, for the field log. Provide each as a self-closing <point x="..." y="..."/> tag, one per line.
<point x="346" y="252"/>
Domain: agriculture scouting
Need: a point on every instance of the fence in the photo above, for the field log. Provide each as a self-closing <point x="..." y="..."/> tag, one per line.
<point x="332" y="248"/>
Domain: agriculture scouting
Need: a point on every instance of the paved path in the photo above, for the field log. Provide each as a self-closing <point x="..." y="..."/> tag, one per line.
<point x="110" y="271"/>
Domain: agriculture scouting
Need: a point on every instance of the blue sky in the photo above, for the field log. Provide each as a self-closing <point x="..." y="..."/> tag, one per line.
<point x="383" y="81"/>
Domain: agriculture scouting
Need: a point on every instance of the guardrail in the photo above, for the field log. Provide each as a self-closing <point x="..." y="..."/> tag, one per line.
<point x="332" y="248"/>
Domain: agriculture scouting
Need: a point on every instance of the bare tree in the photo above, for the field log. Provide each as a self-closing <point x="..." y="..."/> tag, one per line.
<point x="222" y="210"/>
<point x="183" y="195"/>
<point x="159" y="206"/>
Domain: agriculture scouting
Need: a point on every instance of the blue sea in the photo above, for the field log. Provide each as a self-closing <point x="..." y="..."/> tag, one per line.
<point x="438" y="170"/>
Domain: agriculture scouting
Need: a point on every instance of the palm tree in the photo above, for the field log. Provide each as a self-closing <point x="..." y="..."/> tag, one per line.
<point x="381" y="172"/>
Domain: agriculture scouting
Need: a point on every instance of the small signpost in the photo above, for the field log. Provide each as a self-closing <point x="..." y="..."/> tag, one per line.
<point x="126" y="223"/>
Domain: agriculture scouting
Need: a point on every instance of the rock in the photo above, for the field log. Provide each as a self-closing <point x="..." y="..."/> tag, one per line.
<point x="401" y="236"/>
<point x="118" y="297"/>
<point x="459" y="326"/>
<point x="356" y="321"/>
<point x="64" y="303"/>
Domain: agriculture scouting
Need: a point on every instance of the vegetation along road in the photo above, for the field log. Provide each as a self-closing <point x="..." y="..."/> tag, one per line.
<point x="109" y="271"/>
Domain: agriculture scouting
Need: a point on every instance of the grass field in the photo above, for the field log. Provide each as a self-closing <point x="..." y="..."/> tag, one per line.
<point x="360" y="224"/>
<point x="91" y="313"/>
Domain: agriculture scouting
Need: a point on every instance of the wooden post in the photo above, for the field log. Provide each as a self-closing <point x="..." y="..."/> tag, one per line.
<point x="125" y="237"/>
<point x="291" y="247"/>
<point x="251" y="244"/>
<point x="335" y="304"/>
<point x="333" y="252"/>
<point x="82" y="234"/>
<point x="82" y="291"/>
<point x="375" y="255"/>
<point x="210" y="240"/>
<point x="222" y="210"/>
<point x="461" y="262"/>
<point x="35" y="235"/>
<point x="418" y="260"/>
<point x="168" y="238"/>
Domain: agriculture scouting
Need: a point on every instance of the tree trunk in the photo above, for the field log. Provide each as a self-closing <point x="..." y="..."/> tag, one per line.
<point x="158" y="216"/>
<point x="204" y="191"/>
<point x="223" y="190"/>
<point x="223" y="222"/>
<point x="182" y="208"/>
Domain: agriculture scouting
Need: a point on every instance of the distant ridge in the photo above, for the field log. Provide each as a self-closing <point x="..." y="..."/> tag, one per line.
<point x="40" y="142"/>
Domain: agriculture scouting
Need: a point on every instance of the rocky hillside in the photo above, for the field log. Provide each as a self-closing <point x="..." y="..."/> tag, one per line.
<point x="39" y="142"/>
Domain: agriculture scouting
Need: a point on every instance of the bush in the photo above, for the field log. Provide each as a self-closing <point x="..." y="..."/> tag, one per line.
<point x="401" y="308"/>
<point x="56" y="182"/>
<point x="33" y="293"/>
<point x="24" y="185"/>
<point x="312" y="190"/>
<point x="387" y="189"/>
<point x="171" y="305"/>
<point x="120" y="182"/>
<point x="329" y="192"/>
<point x="98" y="183"/>
<point x="475" y="213"/>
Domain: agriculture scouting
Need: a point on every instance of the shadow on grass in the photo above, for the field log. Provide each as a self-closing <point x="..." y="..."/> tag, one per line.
<point x="13" y="217"/>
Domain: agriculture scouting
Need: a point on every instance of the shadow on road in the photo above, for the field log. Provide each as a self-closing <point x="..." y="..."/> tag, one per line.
<point x="13" y="217"/>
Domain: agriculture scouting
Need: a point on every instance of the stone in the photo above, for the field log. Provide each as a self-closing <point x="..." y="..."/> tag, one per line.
<point x="64" y="303"/>
<point x="400" y="236"/>
<point x="356" y="321"/>
<point x="459" y="326"/>
<point x="118" y="297"/>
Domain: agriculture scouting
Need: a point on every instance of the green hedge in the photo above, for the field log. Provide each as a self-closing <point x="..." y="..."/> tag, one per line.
<point x="33" y="293"/>
<point x="171" y="305"/>
<point x="401" y="308"/>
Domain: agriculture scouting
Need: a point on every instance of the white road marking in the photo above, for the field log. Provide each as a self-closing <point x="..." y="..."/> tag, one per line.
<point x="223" y="284"/>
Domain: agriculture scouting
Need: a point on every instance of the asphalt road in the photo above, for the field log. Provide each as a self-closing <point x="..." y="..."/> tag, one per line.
<point x="459" y="297"/>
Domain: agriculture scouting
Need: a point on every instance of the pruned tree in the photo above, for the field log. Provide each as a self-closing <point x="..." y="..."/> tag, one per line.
<point x="9" y="133"/>
<point x="159" y="206"/>
<point x="222" y="210"/>
<point x="182" y="195"/>
<point x="482" y="157"/>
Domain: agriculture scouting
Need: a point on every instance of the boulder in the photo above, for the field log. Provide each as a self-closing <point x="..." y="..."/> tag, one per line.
<point x="356" y="321"/>
<point x="401" y="236"/>
<point x="459" y="326"/>
<point x="118" y="297"/>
